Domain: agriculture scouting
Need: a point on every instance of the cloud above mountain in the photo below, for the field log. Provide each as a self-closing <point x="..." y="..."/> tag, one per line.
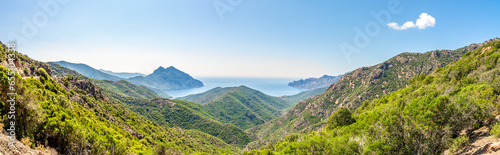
<point x="425" y="20"/>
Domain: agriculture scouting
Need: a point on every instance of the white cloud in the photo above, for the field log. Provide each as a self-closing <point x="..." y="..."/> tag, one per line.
<point x="425" y="20"/>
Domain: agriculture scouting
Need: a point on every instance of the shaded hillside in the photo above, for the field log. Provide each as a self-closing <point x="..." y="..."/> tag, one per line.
<point x="315" y="83"/>
<point x="207" y="96"/>
<point x="63" y="71"/>
<point x="436" y="112"/>
<point x="167" y="79"/>
<point x="123" y="75"/>
<point x="128" y="89"/>
<point x="73" y="116"/>
<point x="88" y="71"/>
<point x="350" y="91"/>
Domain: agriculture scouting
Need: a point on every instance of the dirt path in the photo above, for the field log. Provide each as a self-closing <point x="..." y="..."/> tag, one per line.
<point x="18" y="149"/>
<point x="480" y="143"/>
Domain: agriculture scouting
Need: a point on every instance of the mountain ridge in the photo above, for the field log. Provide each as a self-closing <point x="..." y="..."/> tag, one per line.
<point x="351" y="90"/>
<point x="444" y="110"/>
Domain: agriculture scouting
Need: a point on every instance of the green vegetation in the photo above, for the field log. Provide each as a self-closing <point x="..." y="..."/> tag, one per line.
<point x="340" y="118"/>
<point x="356" y="87"/>
<point x="79" y="119"/>
<point x="458" y="143"/>
<point x="241" y="106"/>
<point x="424" y="118"/>
<point x="495" y="130"/>
<point x="125" y="88"/>
<point x="187" y="115"/>
<point x="59" y="70"/>
<point x="87" y="71"/>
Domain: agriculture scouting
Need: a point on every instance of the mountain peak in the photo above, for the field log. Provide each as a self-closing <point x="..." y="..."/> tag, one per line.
<point x="171" y="68"/>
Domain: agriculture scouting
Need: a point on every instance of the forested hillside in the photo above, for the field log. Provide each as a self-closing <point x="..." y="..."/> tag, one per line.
<point x="73" y="116"/>
<point x="427" y="117"/>
<point x="351" y="90"/>
<point x="241" y="106"/>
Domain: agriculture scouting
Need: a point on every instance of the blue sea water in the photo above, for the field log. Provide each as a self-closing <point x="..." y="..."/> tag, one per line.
<point x="269" y="86"/>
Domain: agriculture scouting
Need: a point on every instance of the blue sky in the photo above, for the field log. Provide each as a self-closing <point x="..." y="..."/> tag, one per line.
<point x="255" y="38"/>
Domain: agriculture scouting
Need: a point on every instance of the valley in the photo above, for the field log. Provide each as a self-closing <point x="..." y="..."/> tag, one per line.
<point x="240" y="117"/>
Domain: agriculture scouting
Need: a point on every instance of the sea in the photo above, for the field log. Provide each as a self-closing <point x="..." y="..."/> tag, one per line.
<point x="270" y="86"/>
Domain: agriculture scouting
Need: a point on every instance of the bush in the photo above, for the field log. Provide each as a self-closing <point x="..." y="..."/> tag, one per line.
<point x="459" y="143"/>
<point x="43" y="73"/>
<point x="341" y="117"/>
<point x="495" y="131"/>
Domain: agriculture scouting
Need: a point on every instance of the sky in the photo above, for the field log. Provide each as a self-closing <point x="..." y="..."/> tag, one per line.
<point x="242" y="38"/>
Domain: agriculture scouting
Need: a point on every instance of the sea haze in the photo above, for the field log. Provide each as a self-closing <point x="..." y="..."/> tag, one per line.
<point x="269" y="86"/>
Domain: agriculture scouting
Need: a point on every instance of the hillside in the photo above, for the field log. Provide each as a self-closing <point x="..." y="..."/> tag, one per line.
<point x="350" y="91"/>
<point x="73" y="116"/>
<point x="294" y="99"/>
<point x="167" y="79"/>
<point x="315" y="83"/>
<point x="187" y="115"/>
<point x="125" y="88"/>
<point x="207" y="96"/>
<point x="59" y="70"/>
<point x="241" y="106"/>
<point x="120" y="87"/>
<point x="436" y="112"/>
<point x="88" y="71"/>
<point x="123" y="75"/>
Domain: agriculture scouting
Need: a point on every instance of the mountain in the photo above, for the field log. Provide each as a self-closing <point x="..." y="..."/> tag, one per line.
<point x="88" y="71"/>
<point x="186" y="115"/>
<point x="167" y="79"/>
<point x="123" y="75"/>
<point x="351" y="90"/>
<point x="315" y="83"/>
<point x="73" y="116"/>
<point x="241" y="106"/>
<point x="122" y="87"/>
<point x="440" y="111"/>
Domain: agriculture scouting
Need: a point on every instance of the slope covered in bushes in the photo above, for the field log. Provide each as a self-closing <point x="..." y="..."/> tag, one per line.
<point x="427" y="117"/>
<point x="74" y="116"/>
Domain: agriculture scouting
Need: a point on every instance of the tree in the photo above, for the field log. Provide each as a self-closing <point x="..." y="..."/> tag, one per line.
<point x="341" y="117"/>
<point x="43" y="73"/>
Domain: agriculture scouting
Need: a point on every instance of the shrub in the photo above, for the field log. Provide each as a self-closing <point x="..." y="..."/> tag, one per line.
<point x="43" y="73"/>
<point x="495" y="131"/>
<point x="26" y="141"/>
<point x="341" y="117"/>
<point x="459" y="143"/>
